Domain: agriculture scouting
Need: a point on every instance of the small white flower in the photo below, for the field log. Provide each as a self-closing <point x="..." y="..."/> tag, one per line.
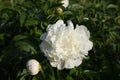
<point x="33" y="67"/>
<point x="65" y="3"/>
<point x="64" y="46"/>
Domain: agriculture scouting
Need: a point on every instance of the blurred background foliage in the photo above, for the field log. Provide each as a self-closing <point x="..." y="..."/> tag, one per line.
<point x="23" y="21"/>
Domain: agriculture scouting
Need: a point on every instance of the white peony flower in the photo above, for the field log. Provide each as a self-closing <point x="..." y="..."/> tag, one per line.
<point x="64" y="46"/>
<point x="65" y="3"/>
<point x="33" y="67"/>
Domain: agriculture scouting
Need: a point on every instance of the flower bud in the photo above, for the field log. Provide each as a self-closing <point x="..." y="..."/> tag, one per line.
<point x="59" y="10"/>
<point x="33" y="66"/>
<point x="65" y="3"/>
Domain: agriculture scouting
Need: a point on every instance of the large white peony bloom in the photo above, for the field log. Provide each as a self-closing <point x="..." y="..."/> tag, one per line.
<point x="64" y="46"/>
<point x="33" y="67"/>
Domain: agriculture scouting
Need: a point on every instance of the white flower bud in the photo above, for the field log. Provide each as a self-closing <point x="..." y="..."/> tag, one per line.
<point x="65" y="3"/>
<point x="33" y="66"/>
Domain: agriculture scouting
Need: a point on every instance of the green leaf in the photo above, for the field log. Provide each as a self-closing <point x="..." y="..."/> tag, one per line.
<point x="24" y="46"/>
<point x="50" y="16"/>
<point x="112" y="6"/>
<point x="98" y="5"/>
<point x="86" y="71"/>
<point x="21" y="75"/>
<point x="76" y="6"/>
<point x="31" y="21"/>
<point x="38" y="32"/>
<point x="22" y="19"/>
<point x="2" y="36"/>
<point x="19" y="37"/>
<point x="67" y="13"/>
<point x="69" y="78"/>
<point x="73" y="71"/>
<point x="34" y="78"/>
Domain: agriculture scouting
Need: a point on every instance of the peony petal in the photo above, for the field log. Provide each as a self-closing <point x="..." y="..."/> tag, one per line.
<point x="45" y="47"/>
<point x="43" y="36"/>
<point x="65" y="3"/>
<point x="59" y="23"/>
<point x="70" y="24"/>
<point x="48" y="28"/>
<point x="73" y="63"/>
<point x="89" y="45"/>
<point x="82" y="29"/>
<point x="54" y="64"/>
<point x="69" y="64"/>
<point x="60" y="65"/>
